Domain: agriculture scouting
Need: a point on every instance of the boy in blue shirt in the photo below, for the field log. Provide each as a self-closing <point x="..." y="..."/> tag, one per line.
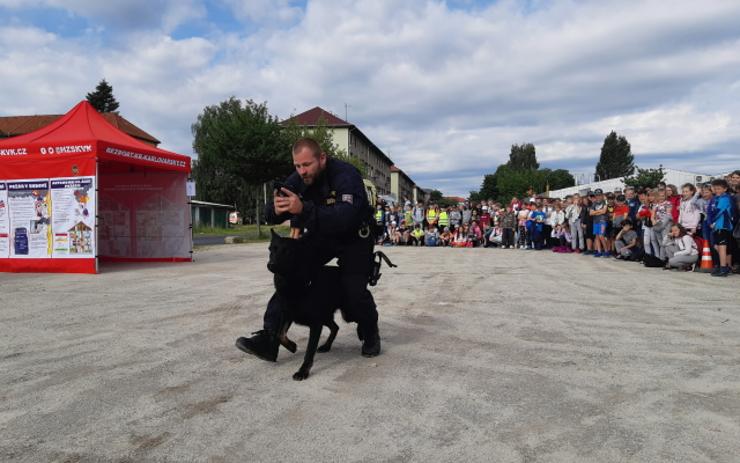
<point x="538" y="219"/>
<point x="598" y="212"/>
<point x="721" y="226"/>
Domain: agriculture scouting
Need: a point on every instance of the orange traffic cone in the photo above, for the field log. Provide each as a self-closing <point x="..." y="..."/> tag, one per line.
<point x="706" y="259"/>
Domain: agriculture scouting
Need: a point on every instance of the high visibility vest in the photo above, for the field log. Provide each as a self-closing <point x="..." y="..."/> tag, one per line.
<point x="431" y="215"/>
<point x="378" y="216"/>
<point x="408" y="217"/>
<point x="444" y="219"/>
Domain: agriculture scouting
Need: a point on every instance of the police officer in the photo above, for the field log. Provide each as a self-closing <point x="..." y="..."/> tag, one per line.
<point x="326" y="198"/>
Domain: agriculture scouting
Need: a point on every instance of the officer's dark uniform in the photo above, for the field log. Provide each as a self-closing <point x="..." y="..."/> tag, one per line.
<point x="336" y="217"/>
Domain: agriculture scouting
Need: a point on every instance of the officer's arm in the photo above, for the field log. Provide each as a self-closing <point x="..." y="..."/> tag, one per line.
<point x="270" y="216"/>
<point x="345" y="214"/>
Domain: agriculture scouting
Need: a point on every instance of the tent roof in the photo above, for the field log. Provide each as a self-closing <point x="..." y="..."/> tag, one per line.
<point x="84" y="130"/>
<point x="12" y="126"/>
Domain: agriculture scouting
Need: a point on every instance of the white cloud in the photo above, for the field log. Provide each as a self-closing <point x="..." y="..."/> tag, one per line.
<point x="445" y="91"/>
<point x="265" y="11"/>
<point x="122" y="14"/>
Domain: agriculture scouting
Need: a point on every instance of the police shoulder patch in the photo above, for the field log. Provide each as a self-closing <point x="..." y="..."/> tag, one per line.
<point x="347" y="199"/>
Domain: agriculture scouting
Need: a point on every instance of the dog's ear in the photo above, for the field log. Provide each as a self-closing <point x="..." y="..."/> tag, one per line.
<point x="274" y="235"/>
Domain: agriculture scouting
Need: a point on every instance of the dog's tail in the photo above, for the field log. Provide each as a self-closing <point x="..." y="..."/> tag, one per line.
<point x="378" y="258"/>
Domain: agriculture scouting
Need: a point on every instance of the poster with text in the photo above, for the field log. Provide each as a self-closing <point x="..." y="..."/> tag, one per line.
<point x="73" y="216"/>
<point x="29" y="213"/>
<point x="4" y="226"/>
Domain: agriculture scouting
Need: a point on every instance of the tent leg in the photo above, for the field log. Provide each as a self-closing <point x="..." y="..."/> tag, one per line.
<point x="97" y="217"/>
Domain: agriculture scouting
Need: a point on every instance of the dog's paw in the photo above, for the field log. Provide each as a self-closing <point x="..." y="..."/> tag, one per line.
<point x="300" y="375"/>
<point x="292" y="347"/>
<point x="323" y="348"/>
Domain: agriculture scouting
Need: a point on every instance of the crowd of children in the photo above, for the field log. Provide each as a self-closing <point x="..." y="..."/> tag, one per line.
<point x="661" y="226"/>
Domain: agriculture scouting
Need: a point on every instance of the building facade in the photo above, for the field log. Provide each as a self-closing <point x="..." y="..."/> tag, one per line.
<point x="670" y="177"/>
<point x="350" y="138"/>
<point x="402" y="187"/>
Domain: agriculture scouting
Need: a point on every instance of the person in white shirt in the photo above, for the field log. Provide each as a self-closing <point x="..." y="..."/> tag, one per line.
<point x="680" y="248"/>
<point x="573" y="217"/>
<point x="689" y="208"/>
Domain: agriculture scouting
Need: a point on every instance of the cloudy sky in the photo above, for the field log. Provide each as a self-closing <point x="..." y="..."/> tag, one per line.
<point x="444" y="88"/>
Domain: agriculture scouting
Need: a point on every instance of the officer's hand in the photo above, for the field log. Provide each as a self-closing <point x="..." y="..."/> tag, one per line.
<point x="289" y="203"/>
<point x="276" y="201"/>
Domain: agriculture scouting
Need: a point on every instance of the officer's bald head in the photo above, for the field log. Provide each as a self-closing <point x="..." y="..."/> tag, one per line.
<point x="308" y="159"/>
<point x="307" y="143"/>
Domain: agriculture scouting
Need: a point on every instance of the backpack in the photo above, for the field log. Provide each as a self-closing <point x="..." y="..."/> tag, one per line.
<point x="649" y="260"/>
<point x="734" y="216"/>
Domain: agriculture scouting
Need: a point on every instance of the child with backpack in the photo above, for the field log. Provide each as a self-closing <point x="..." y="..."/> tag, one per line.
<point x="722" y="225"/>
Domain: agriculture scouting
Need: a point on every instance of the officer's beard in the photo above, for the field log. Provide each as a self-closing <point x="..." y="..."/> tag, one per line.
<point x="310" y="179"/>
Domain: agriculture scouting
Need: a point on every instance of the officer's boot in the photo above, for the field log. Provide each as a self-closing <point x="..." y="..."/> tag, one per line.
<point x="264" y="344"/>
<point x="370" y="340"/>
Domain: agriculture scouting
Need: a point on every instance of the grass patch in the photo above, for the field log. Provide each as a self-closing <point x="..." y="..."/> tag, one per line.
<point x="248" y="232"/>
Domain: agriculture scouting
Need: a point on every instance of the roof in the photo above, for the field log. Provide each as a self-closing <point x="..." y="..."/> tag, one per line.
<point x="393" y="168"/>
<point x="83" y="131"/>
<point x="12" y="126"/>
<point x="314" y="115"/>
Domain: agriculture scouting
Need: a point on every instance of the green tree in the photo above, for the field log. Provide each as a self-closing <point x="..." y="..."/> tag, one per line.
<point x="645" y="178"/>
<point x="489" y="188"/>
<point x="322" y="134"/>
<point x="240" y="147"/>
<point x="508" y="182"/>
<point x="515" y="182"/>
<point x="475" y="196"/>
<point x="523" y="157"/>
<point x="102" y="98"/>
<point x="557" y="179"/>
<point x="616" y="158"/>
<point x="439" y="199"/>
<point x="435" y="196"/>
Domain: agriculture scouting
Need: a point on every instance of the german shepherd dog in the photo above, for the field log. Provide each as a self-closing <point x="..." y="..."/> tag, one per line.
<point x="309" y="296"/>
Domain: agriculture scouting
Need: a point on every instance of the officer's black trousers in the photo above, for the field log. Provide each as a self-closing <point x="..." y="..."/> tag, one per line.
<point x="355" y="260"/>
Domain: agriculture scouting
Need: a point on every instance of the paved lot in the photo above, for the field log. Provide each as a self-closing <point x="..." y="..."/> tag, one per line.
<point x="489" y="355"/>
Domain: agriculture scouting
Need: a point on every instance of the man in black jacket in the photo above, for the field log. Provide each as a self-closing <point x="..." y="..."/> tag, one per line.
<point x="326" y="198"/>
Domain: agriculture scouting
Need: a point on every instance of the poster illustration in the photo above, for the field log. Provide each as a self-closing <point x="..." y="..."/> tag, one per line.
<point x="73" y="216"/>
<point x="29" y="211"/>
<point x="4" y="228"/>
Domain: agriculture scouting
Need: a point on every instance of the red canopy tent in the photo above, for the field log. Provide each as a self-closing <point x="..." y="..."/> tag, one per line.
<point x="80" y="190"/>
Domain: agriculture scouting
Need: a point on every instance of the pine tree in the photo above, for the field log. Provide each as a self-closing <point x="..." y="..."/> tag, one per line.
<point x="102" y="98"/>
<point x="645" y="178"/>
<point x="523" y="157"/>
<point x="616" y="158"/>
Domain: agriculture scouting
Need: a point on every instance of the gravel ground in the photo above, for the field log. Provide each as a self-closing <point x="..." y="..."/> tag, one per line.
<point x="488" y="355"/>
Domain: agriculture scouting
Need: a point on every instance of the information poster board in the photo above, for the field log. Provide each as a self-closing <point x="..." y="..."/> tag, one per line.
<point x="29" y="211"/>
<point x="73" y="217"/>
<point x="4" y="224"/>
<point x="48" y="218"/>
